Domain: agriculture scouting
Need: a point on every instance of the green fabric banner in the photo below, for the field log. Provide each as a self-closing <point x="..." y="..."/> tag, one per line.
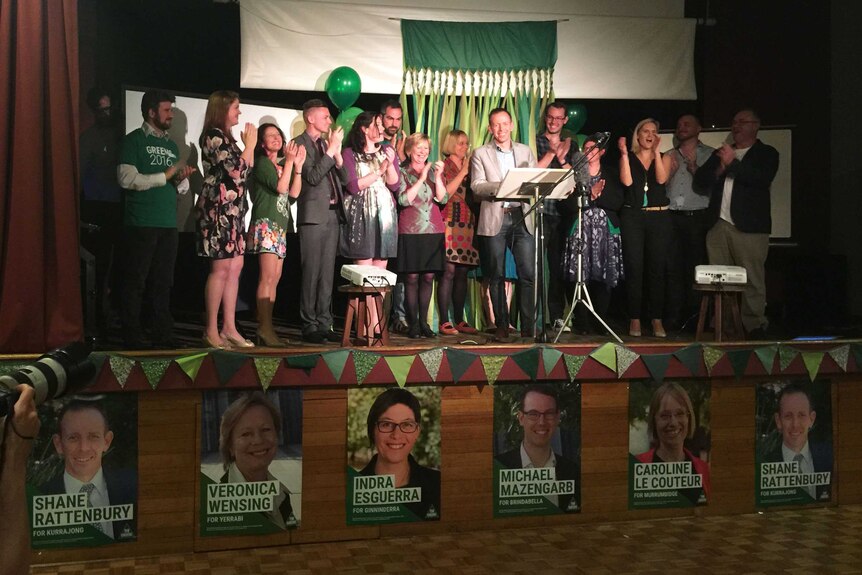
<point x="493" y="364"/>
<point x="739" y="360"/>
<point x="691" y="357"/>
<point x="657" y="364"/>
<point x="479" y="45"/>
<point x="528" y="361"/>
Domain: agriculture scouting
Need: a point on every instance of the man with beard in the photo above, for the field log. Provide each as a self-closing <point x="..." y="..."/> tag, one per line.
<point x="539" y="417"/>
<point x="558" y="153"/>
<point x="688" y="216"/>
<point x="738" y="178"/>
<point x="151" y="173"/>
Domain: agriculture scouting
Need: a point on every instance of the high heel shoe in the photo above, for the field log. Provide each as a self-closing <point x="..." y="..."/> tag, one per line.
<point x="635" y="328"/>
<point x="658" y="328"/>
<point x="426" y="330"/>
<point x="236" y="342"/>
<point x="217" y="345"/>
<point x="267" y="340"/>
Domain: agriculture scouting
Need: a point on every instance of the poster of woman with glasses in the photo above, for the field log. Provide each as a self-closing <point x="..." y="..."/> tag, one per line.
<point x="669" y="435"/>
<point x="537" y="449"/>
<point x="393" y="455"/>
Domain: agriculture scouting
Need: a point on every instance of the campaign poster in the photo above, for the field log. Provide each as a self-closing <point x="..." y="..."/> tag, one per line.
<point x="251" y="462"/>
<point x="537" y="449"/>
<point x="793" y="447"/>
<point x="393" y="455"/>
<point x="669" y="441"/>
<point x="82" y="476"/>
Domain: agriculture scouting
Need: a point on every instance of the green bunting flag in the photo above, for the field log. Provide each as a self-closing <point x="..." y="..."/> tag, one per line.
<point x="856" y="348"/>
<point x="550" y="357"/>
<point x="363" y="363"/>
<point x="656" y="364"/>
<point x="691" y="357"/>
<point x="400" y="366"/>
<point x="97" y="358"/>
<point x="606" y="355"/>
<point x="266" y="368"/>
<point x="711" y="356"/>
<point x="786" y="355"/>
<point x="191" y="364"/>
<point x="739" y="360"/>
<point x="574" y="363"/>
<point x="812" y="361"/>
<point x="840" y="355"/>
<point x="528" y="361"/>
<point x="493" y="364"/>
<point x="305" y="362"/>
<point x="459" y="362"/>
<point x="625" y="359"/>
<point x="766" y="355"/>
<point x="227" y="364"/>
<point x="121" y="368"/>
<point x="154" y="370"/>
<point x="335" y="361"/>
<point x="432" y="359"/>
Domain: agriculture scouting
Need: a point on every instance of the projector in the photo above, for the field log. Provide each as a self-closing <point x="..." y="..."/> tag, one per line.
<point x="720" y="275"/>
<point x="368" y="276"/>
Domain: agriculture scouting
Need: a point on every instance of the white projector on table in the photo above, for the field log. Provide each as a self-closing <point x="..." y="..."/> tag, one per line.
<point x="720" y="275"/>
<point x="369" y="276"/>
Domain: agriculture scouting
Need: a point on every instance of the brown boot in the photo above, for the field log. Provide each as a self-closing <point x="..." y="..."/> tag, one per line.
<point x="266" y="335"/>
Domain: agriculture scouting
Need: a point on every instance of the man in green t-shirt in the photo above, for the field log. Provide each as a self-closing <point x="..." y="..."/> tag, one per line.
<point x="150" y="173"/>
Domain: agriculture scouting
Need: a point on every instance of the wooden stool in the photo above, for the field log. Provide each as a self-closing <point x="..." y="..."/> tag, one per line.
<point x="359" y="302"/>
<point x="717" y="292"/>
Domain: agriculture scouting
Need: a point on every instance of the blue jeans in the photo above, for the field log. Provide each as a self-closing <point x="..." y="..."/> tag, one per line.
<point x="521" y="242"/>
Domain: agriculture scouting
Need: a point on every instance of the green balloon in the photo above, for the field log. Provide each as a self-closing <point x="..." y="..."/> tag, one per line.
<point x="343" y="87"/>
<point x="581" y="139"/>
<point x="346" y="118"/>
<point x="577" y="117"/>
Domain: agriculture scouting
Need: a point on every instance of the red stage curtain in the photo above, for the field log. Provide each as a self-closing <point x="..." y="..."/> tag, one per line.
<point x="40" y="296"/>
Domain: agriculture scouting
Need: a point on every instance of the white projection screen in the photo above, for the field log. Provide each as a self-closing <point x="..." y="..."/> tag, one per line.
<point x="188" y="122"/>
<point x="780" y="139"/>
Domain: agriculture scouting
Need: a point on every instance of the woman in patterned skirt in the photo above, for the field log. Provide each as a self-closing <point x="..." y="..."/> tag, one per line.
<point x="275" y="184"/>
<point x="221" y="210"/>
<point x="459" y="221"/>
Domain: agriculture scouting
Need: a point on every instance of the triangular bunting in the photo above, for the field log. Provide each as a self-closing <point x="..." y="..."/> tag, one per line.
<point x="335" y="361"/>
<point x="840" y="355"/>
<point x="493" y="364"/>
<point x="656" y="364"/>
<point x="606" y="355"/>
<point x="459" y="362"/>
<point x="856" y="348"/>
<point x="432" y="359"/>
<point x="812" y="361"/>
<point x="766" y="355"/>
<point x="266" y="368"/>
<point x="691" y="357"/>
<point x="363" y="363"/>
<point x="711" y="356"/>
<point x="154" y="370"/>
<point x="550" y="357"/>
<point x="97" y="358"/>
<point x="528" y="361"/>
<point x="227" y="364"/>
<point x="739" y="360"/>
<point x="625" y="358"/>
<point x="786" y="355"/>
<point x="121" y="367"/>
<point x="400" y="366"/>
<point x="574" y="363"/>
<point x="191" y="364"/>
<point x="305" y="362"/>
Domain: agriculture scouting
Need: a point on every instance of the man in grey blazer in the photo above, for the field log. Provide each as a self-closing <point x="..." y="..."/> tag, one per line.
<point x="502" y="223"/>
<point x="320" y="210"/>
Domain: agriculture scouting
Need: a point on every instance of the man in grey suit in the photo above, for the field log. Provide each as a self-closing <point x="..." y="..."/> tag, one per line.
<point x="320" y="211"/>
<point x="502" y="223"/>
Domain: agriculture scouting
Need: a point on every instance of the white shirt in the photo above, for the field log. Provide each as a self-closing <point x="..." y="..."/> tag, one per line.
<point x="805" y="466"/>
<point x="506" y="161"/>
<point x="98" y="498"/>
<point x="727" y="193"/>
<point x="527" y="463"/>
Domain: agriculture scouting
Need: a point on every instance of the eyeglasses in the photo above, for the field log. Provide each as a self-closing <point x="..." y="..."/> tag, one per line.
<point x="557" y="118"/>
<point x="405" y="426"/>
<point x="534" y="415"/>
<point x="667" y="416"/>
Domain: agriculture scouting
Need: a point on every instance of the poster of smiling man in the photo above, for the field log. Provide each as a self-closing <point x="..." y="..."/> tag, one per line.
<point x="794" y="443"/>
<point x="537" y="448"/>
<point x="669" y="436"/>
<point x="393" y="455"/>
<point x="251" y="462"/>
<point x="82" y="481"/>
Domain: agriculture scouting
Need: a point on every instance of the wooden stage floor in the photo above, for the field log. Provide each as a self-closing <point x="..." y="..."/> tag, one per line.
<point x="803" y="541"/>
